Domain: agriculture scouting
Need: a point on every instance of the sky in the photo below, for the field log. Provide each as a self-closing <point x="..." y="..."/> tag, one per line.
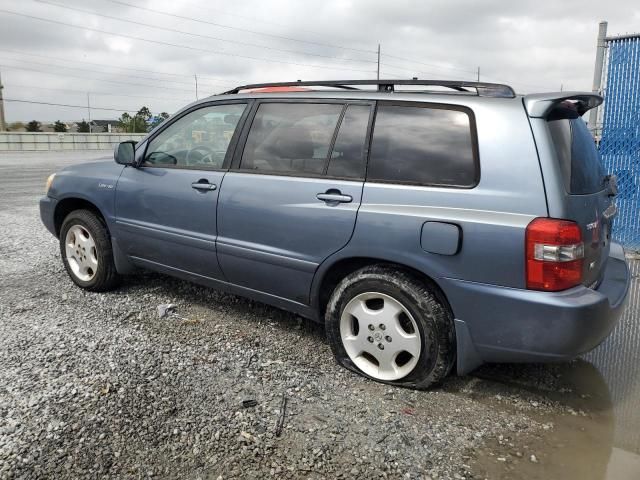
<point x="118" y="55"/>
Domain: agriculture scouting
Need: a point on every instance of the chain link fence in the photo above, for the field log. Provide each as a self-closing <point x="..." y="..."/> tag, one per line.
<point x="620" y="143"/>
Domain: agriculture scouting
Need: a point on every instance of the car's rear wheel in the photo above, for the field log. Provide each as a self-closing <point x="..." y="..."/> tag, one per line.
<point x="386" y="324"/>
<point x="85" y="247"/>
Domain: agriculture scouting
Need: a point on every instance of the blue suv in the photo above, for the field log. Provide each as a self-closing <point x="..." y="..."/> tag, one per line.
<point x="427" y="223"/>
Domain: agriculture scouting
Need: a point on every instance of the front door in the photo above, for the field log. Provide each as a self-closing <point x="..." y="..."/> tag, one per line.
<point x="293" y="194"/>
<point x="166" y="207"/>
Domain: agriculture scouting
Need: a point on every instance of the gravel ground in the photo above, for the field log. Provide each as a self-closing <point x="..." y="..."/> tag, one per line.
<point x="96" y="385"/>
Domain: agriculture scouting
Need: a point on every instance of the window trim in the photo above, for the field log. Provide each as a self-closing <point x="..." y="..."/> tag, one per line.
<point x="434" y="106"/>
<point x="367" y="139"/>
<point x="233" y="143"/>
<point x="242" y="141"/>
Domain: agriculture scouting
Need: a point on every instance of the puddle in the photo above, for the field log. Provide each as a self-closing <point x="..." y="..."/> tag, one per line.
<point x="593" y="413"/>
<point x="618" y="361"/>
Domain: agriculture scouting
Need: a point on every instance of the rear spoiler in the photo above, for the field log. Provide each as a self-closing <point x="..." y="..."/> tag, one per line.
<point x="538" y="105"/>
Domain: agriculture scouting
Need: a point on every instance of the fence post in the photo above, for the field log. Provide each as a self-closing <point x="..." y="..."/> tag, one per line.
<point x="597" y="74"/>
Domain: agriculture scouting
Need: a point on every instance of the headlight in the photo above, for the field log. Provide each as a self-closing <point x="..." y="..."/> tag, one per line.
<point x="49" y="182"/>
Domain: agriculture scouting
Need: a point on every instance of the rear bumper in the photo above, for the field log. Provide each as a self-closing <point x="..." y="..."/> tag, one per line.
<point x="47" y="210"/>
<point x="499" y="324"/>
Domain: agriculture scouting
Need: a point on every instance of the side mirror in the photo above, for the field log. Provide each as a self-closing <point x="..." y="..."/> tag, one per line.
<point x="125" y="153"/>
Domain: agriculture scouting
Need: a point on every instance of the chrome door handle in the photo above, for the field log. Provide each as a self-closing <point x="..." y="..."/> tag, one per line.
<point x="203" y="186"/>
<point x="334" y="198"/>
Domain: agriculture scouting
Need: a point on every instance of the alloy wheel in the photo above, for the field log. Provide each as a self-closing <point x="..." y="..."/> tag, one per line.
<point x="380" y="336"/>
<point x="81" y="253"/>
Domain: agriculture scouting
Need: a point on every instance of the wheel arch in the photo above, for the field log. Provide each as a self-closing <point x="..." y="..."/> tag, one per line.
<point x="329" y="275"/>
<point x="67" y="205"/>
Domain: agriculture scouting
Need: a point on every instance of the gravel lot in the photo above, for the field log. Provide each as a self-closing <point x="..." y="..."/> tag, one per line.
<point x="96" y="385"/>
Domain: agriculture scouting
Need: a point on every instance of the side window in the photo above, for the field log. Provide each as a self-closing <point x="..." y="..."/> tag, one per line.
<point x="423" y="145"/>
<point x="200" y="139"/>
<point x="291" y="137"/>
<point x="348" y="154"/>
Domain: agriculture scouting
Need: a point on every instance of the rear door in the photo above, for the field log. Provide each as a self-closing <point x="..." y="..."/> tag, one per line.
<point x="292" y="197"/>
<point x="588" y="199"/>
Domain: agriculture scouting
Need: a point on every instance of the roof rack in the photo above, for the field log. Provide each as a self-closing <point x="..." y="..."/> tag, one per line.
<point x="483" y="89"/>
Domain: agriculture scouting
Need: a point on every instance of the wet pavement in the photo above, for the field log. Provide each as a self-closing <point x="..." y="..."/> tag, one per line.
<point x="592" y="426"/>
<point x="617" y="362"/>
<point x="589" y="409"/>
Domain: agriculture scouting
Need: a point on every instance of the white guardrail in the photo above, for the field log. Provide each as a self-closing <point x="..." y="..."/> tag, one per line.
<point x="37" y="141"/>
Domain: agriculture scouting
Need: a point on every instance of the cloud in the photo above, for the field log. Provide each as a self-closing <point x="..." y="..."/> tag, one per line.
<point x="118" y="45"/>
<point x="534" y="45"/>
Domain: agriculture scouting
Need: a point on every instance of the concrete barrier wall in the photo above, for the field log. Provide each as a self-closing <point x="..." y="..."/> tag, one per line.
<point x="31" y="141"/>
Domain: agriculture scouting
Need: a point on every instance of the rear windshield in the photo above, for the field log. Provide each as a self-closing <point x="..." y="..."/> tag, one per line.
<point x="577" y="153"/>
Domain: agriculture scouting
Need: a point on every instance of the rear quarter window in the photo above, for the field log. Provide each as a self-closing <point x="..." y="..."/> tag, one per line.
<point x="577" y="153"/>
<point x="424" y="145"/>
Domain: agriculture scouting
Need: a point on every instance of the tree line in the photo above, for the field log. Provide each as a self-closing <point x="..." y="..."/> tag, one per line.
<point x="36" y="126"/>
<point x="142" y="121"/>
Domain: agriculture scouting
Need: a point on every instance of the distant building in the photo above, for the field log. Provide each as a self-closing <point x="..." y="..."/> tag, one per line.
<point x="108" y="126"/>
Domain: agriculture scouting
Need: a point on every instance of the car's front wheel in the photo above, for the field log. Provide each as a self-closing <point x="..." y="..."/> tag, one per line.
<point x="386" y="323"/>
<point x="85" y="247"/>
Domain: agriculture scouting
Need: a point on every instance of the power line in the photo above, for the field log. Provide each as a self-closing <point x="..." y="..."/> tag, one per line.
<point x="84" y="62"/>
<point x="159" y="42"/>
<point x="145" y="85"/>
<point x="12" y="67"/>
<point x="96" y="93"/>
<point x="239" y="28"/>
<point x="67" y="105"/>
<point x="259" y="20"/>
<point x="110" y="73"/>
<point x="167" y="29"/>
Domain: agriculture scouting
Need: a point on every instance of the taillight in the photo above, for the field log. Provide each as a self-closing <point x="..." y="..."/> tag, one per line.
<point x="554" y="254"/>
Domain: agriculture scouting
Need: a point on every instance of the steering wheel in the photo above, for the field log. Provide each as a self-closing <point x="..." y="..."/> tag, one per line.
<point x="205" y="152"/>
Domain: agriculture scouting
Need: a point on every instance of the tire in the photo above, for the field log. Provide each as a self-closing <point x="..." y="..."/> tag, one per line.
<point x="85" y="248"/>
<point x="415" y="349"/>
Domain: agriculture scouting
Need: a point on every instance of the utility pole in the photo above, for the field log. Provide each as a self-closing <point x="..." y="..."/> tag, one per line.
<point x="478" y="74"/>
<point x="89" y="109"/>
<point x="378" y="74"/>
<point x="3" y="123"/>
<point x="196" y="77"/>
<point x="597" y="73"/>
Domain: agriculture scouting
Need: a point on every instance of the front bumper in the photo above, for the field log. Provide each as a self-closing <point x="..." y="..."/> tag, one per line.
<point x="499" y="324"/>
<point x="47" y="213"/>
